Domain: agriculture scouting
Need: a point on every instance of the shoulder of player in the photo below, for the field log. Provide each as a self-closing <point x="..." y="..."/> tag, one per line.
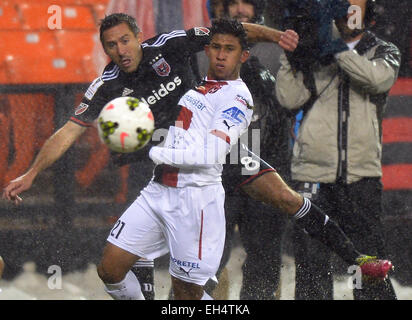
<point x="162" y="39"/>
<point x="237" y="92"/>
<point x="110" y="72"/>
<point x="243" y="95"/>
<point x="238" y="86"/>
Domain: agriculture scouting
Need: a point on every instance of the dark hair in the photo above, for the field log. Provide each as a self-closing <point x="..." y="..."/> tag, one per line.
<point x="371" y="13"/>
<point x="258" y="5"/>
<point x="232" y="27"/>
<point x="210" y="6"/>
<point x="115" y="19"/>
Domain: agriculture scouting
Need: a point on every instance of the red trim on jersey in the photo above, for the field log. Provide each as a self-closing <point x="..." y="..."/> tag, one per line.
<point x="260" y="173"/>
<point x="200" y="237"/>
<point x="169" y="175"/>
<point x="210" y="87"/>
<point x="82" y="123"/>
<point x="184" y="118"/>
<point x="221" y="135"/>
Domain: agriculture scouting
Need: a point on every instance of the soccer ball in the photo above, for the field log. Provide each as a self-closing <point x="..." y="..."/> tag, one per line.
<point x="125" y="124"/>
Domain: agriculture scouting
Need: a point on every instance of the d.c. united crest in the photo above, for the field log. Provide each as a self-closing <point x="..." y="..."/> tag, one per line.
<point x="161" y="67"/>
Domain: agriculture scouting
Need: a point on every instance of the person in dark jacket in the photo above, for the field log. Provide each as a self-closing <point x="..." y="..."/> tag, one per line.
<point x="337" y="154"/>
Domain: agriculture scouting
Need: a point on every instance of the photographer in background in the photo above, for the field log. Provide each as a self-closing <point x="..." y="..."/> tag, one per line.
<point x="342" y="86"/>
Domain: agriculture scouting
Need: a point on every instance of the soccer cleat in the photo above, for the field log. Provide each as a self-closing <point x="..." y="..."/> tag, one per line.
<point x="372" y="267"/>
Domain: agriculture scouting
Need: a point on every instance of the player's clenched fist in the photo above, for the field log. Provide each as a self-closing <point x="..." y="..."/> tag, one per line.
<point x="12" y="190"/>
<point x="289" y="40"/>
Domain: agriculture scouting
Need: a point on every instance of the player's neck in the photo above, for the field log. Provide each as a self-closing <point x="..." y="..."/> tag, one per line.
<point x="212" y="77"/>
<point x="139" y="58"/>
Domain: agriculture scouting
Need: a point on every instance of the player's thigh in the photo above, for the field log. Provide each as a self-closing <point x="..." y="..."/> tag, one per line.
<point x="183" y="290"/>
<point x="115" y="263"/>
<point x="139" y="231"/>
<point x="196" y="245"/>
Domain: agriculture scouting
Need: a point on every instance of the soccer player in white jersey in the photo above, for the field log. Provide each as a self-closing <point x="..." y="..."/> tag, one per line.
<point x="181" y="210"/>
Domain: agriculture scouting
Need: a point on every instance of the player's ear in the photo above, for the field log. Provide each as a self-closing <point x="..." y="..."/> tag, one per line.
<point x="105" y="50"/>
<point x="139" y="37"/>
<point x="245" y="55"/>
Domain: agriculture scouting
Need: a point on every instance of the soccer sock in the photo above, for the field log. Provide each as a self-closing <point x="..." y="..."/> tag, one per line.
<point x="206" y="296"/>
<point x="127" y="289"/>
<point x="320" y="227"/>
<point x="144" y="271"/>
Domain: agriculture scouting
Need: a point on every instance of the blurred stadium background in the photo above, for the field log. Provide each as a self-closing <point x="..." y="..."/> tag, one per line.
<point x="65" y="217"/>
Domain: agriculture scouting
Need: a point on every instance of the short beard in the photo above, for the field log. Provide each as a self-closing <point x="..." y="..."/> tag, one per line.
<point x="346" y="33"/>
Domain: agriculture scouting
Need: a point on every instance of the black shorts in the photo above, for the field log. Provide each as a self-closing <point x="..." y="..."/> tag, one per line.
<point x="245" y="169"/>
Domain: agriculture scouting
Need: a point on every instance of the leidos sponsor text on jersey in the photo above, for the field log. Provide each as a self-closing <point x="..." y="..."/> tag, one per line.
<point x="163" y="91"/>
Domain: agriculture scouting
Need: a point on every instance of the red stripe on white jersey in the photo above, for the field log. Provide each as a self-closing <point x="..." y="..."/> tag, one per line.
<point x="221" y="135"/>
<point x="184" y="118"/>
<point x="210" y="87"/>
<point x="200" y="237"/>
<point x="169" y="175"/>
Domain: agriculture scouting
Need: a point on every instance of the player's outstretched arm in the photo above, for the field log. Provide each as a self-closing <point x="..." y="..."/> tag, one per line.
<point x="51" y="151"/>
<point x="288" y="39"/>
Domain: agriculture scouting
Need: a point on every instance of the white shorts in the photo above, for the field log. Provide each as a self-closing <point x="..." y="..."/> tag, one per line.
<point x="188" y="222"/>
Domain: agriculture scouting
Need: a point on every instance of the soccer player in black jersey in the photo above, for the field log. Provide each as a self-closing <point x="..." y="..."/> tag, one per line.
<point x="131" y="73"/>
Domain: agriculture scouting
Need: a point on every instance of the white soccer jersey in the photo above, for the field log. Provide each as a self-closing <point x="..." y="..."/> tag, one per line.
<point x="212" y="118"/>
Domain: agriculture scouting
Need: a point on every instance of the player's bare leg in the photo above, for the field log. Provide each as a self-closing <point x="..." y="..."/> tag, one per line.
<point x="183" y="290"/>
<point x="114" y="271"/>
<point x="271" y="189"/>
<point x="221" y="292"/>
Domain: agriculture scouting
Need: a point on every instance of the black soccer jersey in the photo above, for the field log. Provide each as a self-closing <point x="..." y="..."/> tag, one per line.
<point x="161" y="79"/>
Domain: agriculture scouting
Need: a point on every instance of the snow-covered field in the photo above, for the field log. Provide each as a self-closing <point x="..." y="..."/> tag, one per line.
<point x="85" y="285"/>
